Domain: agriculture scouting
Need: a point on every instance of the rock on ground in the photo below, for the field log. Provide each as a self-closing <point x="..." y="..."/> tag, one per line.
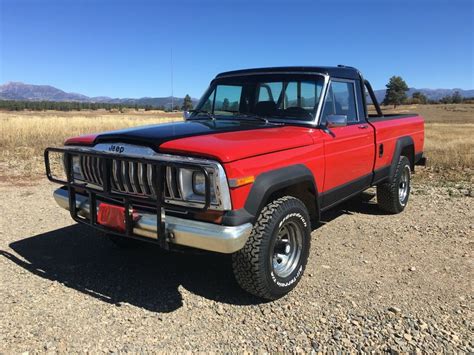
<point x="374" y="282"/>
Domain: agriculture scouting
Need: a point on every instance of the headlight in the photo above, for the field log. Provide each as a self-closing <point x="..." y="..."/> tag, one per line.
<point x="76" y="168"/>
<point x="199" y="183"/>
<point x="192" y="185"/>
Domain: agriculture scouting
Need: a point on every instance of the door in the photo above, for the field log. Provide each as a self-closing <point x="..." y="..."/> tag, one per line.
<point x="349" y="154"/>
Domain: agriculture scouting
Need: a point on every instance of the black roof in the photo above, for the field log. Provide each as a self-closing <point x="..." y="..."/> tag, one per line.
<point x="338" y="72"/>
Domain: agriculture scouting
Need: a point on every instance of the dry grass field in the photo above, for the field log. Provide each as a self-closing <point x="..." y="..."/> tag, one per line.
<point x="23" y="136"/>
<point x="374" y="282"/>
<point x="449" y="143"/>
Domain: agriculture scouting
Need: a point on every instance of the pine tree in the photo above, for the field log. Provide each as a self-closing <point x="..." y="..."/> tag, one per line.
<point x="396" y="91"/>
<point x="187" y="103"/>
<point x="419" y="98"/>
<point x="457" y="98"/>
<point x="225" y="104"/>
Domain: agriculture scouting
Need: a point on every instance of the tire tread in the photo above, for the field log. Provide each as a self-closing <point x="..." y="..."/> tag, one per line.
<point x="387" y="193"/>
<point x="247" y="265"/>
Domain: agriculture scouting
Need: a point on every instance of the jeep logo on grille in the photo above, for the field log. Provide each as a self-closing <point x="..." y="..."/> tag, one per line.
<point x="116" y="148"/>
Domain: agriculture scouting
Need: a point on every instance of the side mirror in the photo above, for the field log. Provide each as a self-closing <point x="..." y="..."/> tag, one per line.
<point x="186" y="115"/>
<point x="333" y="121"/>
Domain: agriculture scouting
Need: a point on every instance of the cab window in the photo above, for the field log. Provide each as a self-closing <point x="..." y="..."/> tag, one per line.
<point x="340" y="100"/>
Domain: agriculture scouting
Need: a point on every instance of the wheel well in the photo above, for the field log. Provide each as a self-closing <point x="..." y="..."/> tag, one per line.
<point x="303" y="191"/>
<point x="409" y="152"/>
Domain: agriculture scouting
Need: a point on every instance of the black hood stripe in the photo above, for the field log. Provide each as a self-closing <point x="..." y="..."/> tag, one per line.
<point x="155" y="135"/>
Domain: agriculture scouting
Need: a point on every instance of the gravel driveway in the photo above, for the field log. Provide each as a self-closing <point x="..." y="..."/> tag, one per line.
<point x="373" y="282"/>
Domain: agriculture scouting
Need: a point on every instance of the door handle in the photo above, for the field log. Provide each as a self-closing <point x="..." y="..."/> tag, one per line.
<point x="363" y="126"/>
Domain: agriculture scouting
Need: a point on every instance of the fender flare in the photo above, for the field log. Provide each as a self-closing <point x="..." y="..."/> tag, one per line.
<point x="267" y="184"/>
<point x="402" y="143"/>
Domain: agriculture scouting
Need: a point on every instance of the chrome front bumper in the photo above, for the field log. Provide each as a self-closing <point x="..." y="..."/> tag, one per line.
<point x="196" y="234"/>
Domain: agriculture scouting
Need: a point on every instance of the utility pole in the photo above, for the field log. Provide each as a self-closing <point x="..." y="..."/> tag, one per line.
<point x="172" y="93"/>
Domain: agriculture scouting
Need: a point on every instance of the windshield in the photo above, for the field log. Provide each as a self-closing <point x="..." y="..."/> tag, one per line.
<point x="279" y="97"/>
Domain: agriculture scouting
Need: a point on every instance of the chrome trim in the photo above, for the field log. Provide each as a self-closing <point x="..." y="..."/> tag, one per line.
<point x="99" y="171"/>
<point x="149" y="175"/>
<point x="125" y="182"/>
<point x="221" y="188"/>
<point x="404" y="185"/>
<point x="131" y="177"/>
<point x="169" y="177"/>
<point x="191" y="233"/>
<point x="114" y="174"/>
<point x="317" y="118"/>
<point x="140" y="177"/>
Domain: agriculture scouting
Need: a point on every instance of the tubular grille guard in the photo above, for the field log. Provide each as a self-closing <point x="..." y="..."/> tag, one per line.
<point x="105" y="186"/>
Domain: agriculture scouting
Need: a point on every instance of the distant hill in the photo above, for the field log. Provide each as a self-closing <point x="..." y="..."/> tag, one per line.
<point x="431" y="94"/>
<point x="29" y="92"/>
<point x="21" y="91"/>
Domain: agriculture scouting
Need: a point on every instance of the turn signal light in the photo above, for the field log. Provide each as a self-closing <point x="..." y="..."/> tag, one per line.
<point x="241" y="181"/>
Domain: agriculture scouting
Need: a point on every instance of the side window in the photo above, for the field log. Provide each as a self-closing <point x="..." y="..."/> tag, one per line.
<point x="340" y="100"/>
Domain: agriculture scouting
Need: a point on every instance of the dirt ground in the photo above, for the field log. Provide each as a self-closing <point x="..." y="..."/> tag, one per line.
<point x="373" y="282"/>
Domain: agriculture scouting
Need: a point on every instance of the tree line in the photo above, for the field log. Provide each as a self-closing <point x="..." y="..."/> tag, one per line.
<point x="396" y="94"/>
<point x="20" y="105"/>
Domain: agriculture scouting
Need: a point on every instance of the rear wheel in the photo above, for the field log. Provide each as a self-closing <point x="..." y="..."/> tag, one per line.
<point x="273" y="260"/>
<point x="393" y="196"/>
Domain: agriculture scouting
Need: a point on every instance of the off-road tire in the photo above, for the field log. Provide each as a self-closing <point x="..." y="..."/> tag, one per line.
<point x="388" y="194"/>
<point x="252" y="264"/>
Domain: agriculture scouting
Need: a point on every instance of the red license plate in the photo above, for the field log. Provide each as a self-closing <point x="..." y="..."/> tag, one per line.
<point x="112" y="217"/>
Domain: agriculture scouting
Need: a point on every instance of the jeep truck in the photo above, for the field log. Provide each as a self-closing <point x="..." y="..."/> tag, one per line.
<point x="247" y="173"/>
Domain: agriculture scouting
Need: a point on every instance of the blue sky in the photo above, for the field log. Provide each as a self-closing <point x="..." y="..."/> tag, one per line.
<point x="122" y="48"/>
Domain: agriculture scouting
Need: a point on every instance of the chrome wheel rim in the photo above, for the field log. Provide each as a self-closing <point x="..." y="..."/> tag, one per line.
<point x="287" y="249"/>
<point x="403" y="185"/>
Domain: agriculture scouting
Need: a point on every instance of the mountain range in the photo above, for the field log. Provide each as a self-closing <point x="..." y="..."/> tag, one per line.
<point x="29" y="92"/>
<point x="431" y="94"/>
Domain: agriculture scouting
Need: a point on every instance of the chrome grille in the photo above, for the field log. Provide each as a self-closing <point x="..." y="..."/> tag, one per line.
<point x="91" y="169"/>
<point x="132" y="178"/>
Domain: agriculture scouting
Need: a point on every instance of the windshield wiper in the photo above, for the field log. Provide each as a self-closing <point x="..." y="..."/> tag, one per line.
<point x="259" y="118"/>
<point x="206" y="113"/>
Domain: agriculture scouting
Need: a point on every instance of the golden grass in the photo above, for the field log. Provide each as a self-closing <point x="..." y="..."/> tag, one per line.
<point x="449" y="143"/>
<point x="25" y="135"/>
<point x="449" y="133"/>
<point x="449" y="138"/>
<point x="449" y="113"/>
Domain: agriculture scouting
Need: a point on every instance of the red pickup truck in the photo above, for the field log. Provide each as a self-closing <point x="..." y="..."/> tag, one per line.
<point x="248" y="172"/>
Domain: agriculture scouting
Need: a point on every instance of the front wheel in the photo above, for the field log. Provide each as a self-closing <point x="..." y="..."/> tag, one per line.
<point x="274" y="258"/>
<point x="393" y="197"/>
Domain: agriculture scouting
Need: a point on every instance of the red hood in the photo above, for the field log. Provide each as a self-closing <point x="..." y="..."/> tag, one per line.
<point x="231" y="146"/>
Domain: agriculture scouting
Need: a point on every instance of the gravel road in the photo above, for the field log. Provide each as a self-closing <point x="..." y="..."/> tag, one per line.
<point x="373" y="282"/>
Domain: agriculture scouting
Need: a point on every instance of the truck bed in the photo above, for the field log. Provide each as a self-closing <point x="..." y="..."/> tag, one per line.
<point x="390" y="116"/>
<point x="389" y="129"/>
